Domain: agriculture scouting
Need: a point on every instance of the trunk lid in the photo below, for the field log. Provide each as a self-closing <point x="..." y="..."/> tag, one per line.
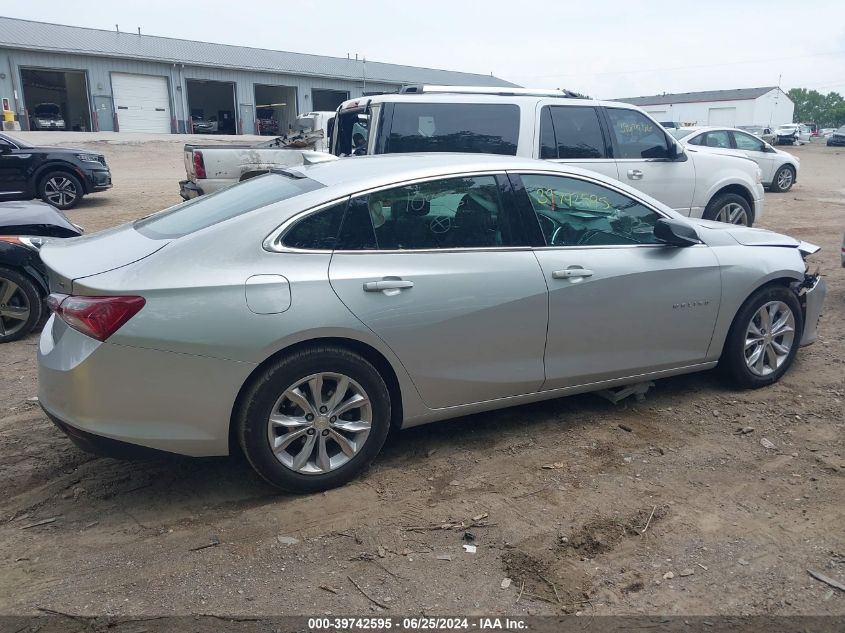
<point x="75" y="258"/>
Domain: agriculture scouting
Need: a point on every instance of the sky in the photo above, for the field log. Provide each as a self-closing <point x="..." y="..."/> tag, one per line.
<point x="603" y="48"/>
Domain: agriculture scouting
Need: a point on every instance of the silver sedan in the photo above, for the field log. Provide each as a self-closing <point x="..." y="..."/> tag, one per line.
<point x="301" y="315"/>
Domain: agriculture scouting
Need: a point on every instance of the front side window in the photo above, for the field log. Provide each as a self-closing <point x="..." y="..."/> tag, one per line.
<point x="454" y="127"/>
<point x="576" y="132"/>
<point x="574" y="212"/>
<point x="636" y="135"/>
<point x="748" y="142"/>
<point x="718" y="138"/>
<point x="353" y="131"/>
<point x="222" y="205"/>
<point x="465" y="212"/>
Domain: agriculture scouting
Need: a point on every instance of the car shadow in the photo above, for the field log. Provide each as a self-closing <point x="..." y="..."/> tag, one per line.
<point x="175" y="486"/>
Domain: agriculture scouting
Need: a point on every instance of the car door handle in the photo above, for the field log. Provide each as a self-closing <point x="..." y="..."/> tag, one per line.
<point x="387" y="284"/>
<point x="570" y="273"/>
<point x="635" y="174"/>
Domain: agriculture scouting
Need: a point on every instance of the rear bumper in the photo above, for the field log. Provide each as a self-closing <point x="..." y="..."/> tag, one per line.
<point x="834" y="141"/>
<point x="177" y="403"/>
<point x="812" y="300"/>
<point x="103" y="446"/>
<point x="189" y="190"/>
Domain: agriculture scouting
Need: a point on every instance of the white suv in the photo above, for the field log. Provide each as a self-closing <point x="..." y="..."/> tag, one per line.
<point x="615" y="139"/>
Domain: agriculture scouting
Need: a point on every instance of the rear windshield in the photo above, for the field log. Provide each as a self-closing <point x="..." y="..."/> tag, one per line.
<point x="454" y="127"/>
<point x="222" y="205"/>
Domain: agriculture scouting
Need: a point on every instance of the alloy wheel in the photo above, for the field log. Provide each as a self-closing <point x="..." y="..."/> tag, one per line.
<point x="784" y="178"/>
<point x="14" y="307"/>
<point x="319" y="423"/>
<point x="60" y="191"/>
<point x="733" y="213"/>
<point x="769" y="338"/>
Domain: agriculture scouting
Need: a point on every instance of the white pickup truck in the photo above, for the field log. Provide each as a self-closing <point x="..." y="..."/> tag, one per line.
<point x="212" y="167"/>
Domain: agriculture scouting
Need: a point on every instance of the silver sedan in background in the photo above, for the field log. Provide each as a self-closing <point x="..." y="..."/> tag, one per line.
<point x="302" y="314"/>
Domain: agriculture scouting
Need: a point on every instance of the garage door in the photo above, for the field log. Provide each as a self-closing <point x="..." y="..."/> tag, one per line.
<point x="722" y="116"/>
<point x="141" y="102"/>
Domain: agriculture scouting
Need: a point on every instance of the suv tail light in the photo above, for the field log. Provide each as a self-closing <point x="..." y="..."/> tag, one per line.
<point x="97" y="317"/>
<point x="199" y="164"/>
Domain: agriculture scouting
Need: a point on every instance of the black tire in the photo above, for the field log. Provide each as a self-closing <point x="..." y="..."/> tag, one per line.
<point x="26" y="295"/>
<point x="776" y="186"/>
<point x="733" y="362"/>
<point x="60" y="189"/>
<point x="715" y="207"/>
<point x="262" y="394"/>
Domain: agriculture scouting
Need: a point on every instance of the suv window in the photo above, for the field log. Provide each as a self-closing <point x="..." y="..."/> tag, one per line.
<point x="574" y="212"/>
<point x="451" y="213"/>
<point x="222" y="205"/>
<point x="636" y="135"/>
<point x="570" y="132"/>
<point x="453" y="127"/>
<point x="748" y="142"/>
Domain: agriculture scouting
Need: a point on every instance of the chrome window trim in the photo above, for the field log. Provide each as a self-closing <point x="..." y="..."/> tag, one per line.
<point x="273" y="242"/>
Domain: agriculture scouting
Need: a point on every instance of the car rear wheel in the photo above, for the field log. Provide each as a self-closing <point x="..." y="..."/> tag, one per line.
<point x="20" y="305"/>
<point x="731" y="208"/>
<point x="313" y="420"/>
<point x="61" y="189"/>
<point x="783" y="180"/>
<point x="764" y="338"/>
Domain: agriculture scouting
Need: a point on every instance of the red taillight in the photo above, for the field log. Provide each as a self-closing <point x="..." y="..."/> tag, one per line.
<point x="199" y="164"/>
<point x="97" y="317"/>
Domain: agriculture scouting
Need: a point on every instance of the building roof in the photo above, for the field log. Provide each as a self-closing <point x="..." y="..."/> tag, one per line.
<point x="740" y="94"/>
<point x="58" y="38"/>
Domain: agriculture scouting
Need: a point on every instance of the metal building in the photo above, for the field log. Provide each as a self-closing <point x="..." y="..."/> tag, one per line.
<point x="64" y="77"/>
<point x="768" y="107"/>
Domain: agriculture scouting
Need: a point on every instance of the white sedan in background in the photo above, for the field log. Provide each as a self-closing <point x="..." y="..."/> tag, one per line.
<point x="779" y="169"/>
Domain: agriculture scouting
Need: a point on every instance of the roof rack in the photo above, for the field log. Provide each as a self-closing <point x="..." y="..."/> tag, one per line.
<point x="486" y="90"/>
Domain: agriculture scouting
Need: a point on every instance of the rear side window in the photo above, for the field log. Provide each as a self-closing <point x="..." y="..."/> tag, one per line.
<point x="222" y="205"/>
<point x="454" y="127"/>
<point x="570" y="132"/>
<point x="317" y="231"/>
<point x="636" y="135"/>
<point x="718" y="138"/>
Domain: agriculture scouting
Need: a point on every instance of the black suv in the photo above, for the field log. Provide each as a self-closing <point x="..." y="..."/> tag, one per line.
<point x="57" y="175"/>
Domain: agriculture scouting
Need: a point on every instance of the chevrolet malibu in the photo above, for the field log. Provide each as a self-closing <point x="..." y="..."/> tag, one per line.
<point x="300" y="315"/>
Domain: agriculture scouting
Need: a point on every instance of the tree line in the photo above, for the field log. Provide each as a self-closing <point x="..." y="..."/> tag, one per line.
<point x="811" y="106"/>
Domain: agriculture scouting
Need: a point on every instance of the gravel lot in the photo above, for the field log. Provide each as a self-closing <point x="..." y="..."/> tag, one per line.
<point x="558" y="494"/>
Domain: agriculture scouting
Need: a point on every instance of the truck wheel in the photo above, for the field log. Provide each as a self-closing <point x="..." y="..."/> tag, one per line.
<point x="314" y="419"/>
<point x="764" y="338"/>
<point x="20" y="305"/>
<point x="61" y="189"/>
<point x="782" y="182"/>
<point x="731" y="208"/>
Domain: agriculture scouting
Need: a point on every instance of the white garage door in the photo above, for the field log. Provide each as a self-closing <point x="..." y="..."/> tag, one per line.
<point x="722" y="116"/>
<point x="141" y="102"/>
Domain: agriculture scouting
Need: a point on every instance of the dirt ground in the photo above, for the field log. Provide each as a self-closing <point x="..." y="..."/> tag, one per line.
<point x="657" y="507"/>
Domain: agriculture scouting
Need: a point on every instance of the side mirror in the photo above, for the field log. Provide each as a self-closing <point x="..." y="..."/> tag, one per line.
<point x="5" y="149"/>
<point x="675" y="232"/>
<point x="675" y="151"/>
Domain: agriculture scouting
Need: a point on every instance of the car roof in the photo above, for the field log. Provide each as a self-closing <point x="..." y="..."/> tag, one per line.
<point x="365" y="172"/>
<point x="458" y="97"/>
